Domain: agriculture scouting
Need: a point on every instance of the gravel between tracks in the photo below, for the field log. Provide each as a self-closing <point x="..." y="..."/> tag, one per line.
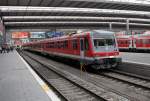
<point x="125" y="90"/>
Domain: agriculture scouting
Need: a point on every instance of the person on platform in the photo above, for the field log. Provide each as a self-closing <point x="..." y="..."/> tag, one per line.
<point x="7" y="49"/>
<point x="3" y="48"/>
<point x="11" y="48"/>
<point x="0" y="49"/>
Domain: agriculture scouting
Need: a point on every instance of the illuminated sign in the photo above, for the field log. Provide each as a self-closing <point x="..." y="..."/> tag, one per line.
<point x="20" y="35"/>
<point x="54" y="34"/>
<point x="37" y="35"/>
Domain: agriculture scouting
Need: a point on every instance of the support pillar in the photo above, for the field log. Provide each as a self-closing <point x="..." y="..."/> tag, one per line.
<point x="3" y="30"/>
<point x="110" y="26"/>
<point x="127" y="26"/>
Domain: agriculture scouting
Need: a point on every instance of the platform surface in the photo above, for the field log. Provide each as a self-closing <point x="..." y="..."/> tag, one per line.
<point x="16" y="81"/>
<point x="143" y="58"/>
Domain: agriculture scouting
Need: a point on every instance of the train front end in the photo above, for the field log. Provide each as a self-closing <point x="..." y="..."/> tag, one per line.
<point x="105" y="50"/>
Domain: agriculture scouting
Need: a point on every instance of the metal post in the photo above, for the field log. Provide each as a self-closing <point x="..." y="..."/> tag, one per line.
<point x="127" y="26"/>
<point x="3" y="30"/>
<point x="110" y="26"/>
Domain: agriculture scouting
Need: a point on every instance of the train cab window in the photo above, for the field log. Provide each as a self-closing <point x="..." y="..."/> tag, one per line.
<point x="74" y="44"/>
<point x="110" y="41"/>
<point x="86" y="44"/>
<point x="99" y="42"/>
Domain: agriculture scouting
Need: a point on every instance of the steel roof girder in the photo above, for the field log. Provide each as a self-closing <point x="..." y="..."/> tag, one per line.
<point x="11" y="9"/>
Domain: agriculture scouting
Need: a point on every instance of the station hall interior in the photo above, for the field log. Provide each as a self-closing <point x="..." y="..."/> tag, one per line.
<point x="74" y="50"/>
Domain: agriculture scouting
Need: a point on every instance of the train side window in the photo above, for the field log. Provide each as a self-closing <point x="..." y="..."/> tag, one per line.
<point x="52" y="44"/>
<point x="138" y="41"/>
<point x="141" y="41"/>
<point x="122" y="42"/>
<point x="128" y="42"/>
<point x="61" y="44"/>
<point x="74" y="44"/>
<point x="49" y="45"/>
<point x="55" y="44"/>
<point x="147" y="41"/>
<point x="58" y="44"/>
<point x="66" y="44"/>
<point x="46" y="45"/>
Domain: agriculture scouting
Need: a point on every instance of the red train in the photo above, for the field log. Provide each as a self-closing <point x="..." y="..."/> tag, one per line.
<point x="96" y="48"/>
<point x="134" y="42"/>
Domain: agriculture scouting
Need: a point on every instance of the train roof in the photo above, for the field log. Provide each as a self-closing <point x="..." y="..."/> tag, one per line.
<point x="124" y="36"/>
<point x="104" y="32"/>
<point x="82" y="33"/>
<point x="101" y="32"/>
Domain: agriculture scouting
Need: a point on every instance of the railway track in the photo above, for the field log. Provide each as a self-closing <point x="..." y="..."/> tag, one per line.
<point x="118" y="85"/>
<point x="132" y="88"/>
<point x="69" y="86"/>
<point x="133" y="68"/>
<point x="129" y="79"/>
<point x="70" y="90"/>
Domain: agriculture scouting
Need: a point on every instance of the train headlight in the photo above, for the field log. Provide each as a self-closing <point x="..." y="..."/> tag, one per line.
<point x="111" y="56"/>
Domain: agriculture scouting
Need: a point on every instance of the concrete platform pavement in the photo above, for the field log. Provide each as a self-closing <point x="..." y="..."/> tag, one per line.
<point x="16" y="81"/>
<point x="141" y="58"/>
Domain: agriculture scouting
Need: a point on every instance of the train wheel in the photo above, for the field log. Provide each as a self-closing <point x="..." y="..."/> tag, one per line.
<point x="105" y="66"/>
<point x="96" y="67"/>
<point x="115" y="65"/>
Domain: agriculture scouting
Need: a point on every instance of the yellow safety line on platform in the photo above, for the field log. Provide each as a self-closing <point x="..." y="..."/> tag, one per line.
<point x="44" y="86"/>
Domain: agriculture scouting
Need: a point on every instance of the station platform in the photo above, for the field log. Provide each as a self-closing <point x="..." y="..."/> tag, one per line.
<point x="139" y="58"/>
<point x="16" y="81"/>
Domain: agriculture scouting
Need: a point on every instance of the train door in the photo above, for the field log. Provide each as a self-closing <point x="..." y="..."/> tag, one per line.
<point x="134" y="43"/>
<point x="82" y="55"/>
<point x="130" y="43"/>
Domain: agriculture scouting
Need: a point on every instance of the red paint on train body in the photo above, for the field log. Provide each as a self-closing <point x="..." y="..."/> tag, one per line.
<point x="96" y="48"/>
<point x="134" y="42"/>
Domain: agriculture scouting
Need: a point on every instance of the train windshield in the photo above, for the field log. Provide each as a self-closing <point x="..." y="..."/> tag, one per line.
<point x="104" y="42"/>
<point x="103" y="45"/>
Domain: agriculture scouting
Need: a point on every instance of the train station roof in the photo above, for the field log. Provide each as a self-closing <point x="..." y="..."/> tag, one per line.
<point x="17" y="13"/>
<point x="140" y="5"/>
